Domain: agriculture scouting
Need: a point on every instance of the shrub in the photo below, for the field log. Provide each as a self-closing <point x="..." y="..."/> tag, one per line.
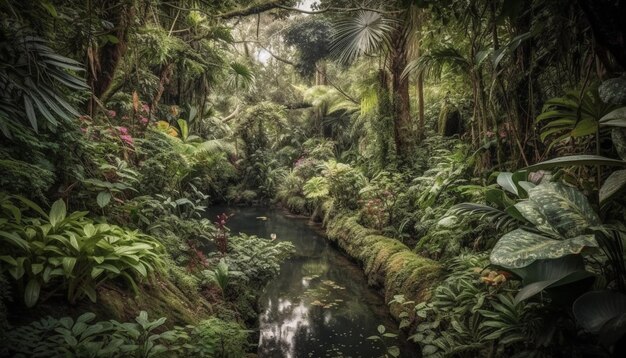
<point x="217" y="338"/>
<point x="250" y="263"/>
<point x="55" y="248"/>
<point x="50" y="337"/>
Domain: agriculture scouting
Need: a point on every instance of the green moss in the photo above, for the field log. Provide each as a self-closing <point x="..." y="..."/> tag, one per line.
<point x="387" y="262"/>
<point x="410" y="275"/>
<point x="160" y="298"/>
<point x="381" y="251"/>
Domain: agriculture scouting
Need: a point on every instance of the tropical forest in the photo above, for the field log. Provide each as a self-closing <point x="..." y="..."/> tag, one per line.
<point x="312" y="178"/>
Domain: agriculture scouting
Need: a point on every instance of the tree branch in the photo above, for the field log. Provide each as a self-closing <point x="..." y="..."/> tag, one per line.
<point x="350" y="98"/>
<point x="339" y="9"/>
<point x="230" y="116"/>
<point x="253" y="9"/>
<point x="281" y="59"/>
<point x="291" y="63"/>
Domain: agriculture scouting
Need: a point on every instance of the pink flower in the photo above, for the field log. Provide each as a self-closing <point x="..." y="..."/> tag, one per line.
<point x="127" y="139"/>
<point x="145" y="107"/>
<point x="123" y="130"/>
<point x="111" y="113"/>
<point x="143" y="120"/>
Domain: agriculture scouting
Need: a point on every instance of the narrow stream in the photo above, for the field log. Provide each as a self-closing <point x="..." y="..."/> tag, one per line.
<point x="320" y="304"/>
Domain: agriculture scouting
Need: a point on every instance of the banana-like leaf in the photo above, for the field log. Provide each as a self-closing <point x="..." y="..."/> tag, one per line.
<point x="546" y="274"/>
<point x="614" y="184"/>
<point x="574" y="160"/>
<point x="505" y="180"/>
<point x="520" y="248"/>
<point x="612" y="331"/>
<point x="616" y="118"/>
<point x="594" y="309"/>
<point x="499" y="198"/>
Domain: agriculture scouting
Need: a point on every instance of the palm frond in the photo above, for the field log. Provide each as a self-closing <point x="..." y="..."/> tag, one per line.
<point x="501" y="218"/>
<point x="32" y="80"/>
<point x="366" y="32"/>
<point x="433" y="63"/>
<point x="240" y="76"/>
<point x="216" y="145"/>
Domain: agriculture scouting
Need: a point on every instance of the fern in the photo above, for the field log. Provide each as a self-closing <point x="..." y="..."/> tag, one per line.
<point x="501" y="219"/>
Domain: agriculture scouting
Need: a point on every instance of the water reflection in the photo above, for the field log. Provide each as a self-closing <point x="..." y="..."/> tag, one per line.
<point x="280" y="338"/>
<point x="320" y="304"/>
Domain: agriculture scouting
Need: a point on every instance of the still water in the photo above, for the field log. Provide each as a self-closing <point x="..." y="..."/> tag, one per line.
<point x="320" y="304"/>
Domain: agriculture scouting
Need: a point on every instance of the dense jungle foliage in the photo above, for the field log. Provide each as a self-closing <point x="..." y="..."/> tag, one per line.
<point x="470" y="155"/>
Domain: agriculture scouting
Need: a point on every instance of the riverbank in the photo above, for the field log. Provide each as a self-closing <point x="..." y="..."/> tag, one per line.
<point x="389" y="265"/>
<point x="320" y="303"/>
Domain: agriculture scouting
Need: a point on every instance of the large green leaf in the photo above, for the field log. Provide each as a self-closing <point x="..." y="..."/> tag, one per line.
<point x="574" y="160"/>
<point x="14" y="239"/>
<point x="505" y="180"/>
<point x="31" y="292"/>
<point x="612" y="331"/>
<point x="614" y="184"/>
<point x="594" y="309"/>
<point x="68" y="265"/>
<point x="57" y="212"/>
<point x="533" y="214"/>
<point x="520" y="248"/>
<point x="616" y="118"/>
<point x="546" y="274"/>
<point x="103" y="198"/>
<point x="565" y="209"/>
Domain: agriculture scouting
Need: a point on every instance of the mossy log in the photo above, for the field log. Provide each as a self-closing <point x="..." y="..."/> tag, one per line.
<point x="388" y="263"/>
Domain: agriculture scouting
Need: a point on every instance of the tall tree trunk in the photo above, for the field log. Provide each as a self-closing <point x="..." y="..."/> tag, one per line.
<point x="400" y="90"/>
<point x="320" y="73"/>
<point x="166" y="75"/>
<point x="382" y="128"/>
<point x="606" y="18"/>
<point x="419" y="87"/>
<point x="103" y="61"/>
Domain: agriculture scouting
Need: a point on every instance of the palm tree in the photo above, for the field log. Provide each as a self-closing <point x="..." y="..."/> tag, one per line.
<point x="371" y="32"/>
